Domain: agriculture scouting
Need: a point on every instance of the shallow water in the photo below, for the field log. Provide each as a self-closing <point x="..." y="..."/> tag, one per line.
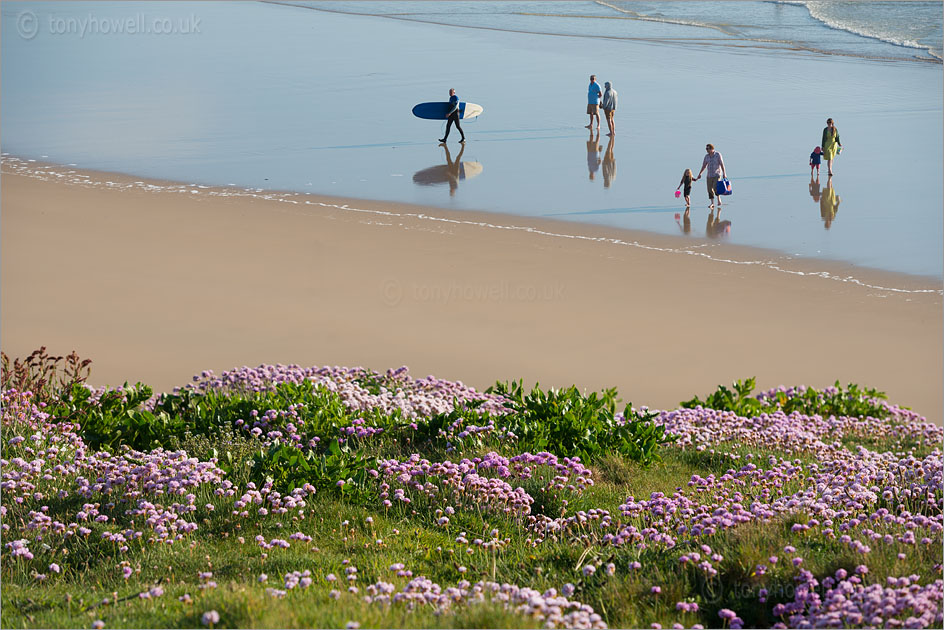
<point x="899" y="29"/>
<point x="258" y="96"/>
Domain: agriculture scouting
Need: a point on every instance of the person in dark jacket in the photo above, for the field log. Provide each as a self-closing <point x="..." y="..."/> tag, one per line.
<point x="453" y="116"/>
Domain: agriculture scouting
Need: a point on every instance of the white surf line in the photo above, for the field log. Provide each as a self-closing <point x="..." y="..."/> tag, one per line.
<point x="45" y="173"/>
<point x="615" y="241"/>
<point x="648" y="18"/>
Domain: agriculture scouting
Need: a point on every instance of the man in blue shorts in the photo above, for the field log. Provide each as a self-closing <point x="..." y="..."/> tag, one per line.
<point x="453" y="116"/>
<point x="594" y="93"/>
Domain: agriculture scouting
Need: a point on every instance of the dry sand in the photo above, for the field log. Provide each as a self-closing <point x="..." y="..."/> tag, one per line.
<point x="157" y="286"/>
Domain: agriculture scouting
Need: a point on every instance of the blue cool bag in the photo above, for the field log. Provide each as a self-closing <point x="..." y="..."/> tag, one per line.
<point x="723" y="187"/>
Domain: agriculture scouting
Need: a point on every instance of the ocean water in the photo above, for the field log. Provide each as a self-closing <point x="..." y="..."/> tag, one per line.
<point x="899" y="29"/>
<point x="316" y="97"/>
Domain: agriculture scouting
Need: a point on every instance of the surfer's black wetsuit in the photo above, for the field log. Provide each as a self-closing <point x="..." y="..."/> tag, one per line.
<point x="453" y="118"/>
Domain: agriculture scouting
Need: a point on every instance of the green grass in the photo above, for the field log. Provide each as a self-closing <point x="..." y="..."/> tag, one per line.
<point x="92" y="587"/>
<point x="74" y="600"/>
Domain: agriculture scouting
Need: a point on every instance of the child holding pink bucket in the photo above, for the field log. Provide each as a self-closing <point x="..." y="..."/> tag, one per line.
<point x="687" y="179"/>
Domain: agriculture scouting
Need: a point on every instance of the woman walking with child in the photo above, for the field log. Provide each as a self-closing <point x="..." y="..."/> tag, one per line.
<point x="830" y="144"/>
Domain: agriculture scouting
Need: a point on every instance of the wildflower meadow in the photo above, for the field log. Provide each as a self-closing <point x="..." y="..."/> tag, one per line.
<point x="286" y="496"/>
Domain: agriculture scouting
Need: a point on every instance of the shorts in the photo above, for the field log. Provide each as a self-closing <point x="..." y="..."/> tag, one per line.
<point x="609" y="113"/>
<point x="712" y="186"/>
<point x="593" y="109"/>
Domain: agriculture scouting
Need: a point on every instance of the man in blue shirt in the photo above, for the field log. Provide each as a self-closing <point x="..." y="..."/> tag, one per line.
<point x="593" y="101"/>
<point x="453" y="116"/>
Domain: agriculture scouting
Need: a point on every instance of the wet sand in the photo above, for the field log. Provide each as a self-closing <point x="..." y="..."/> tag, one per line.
<point x="157" y="286"/>
<point x="242" y="103"/>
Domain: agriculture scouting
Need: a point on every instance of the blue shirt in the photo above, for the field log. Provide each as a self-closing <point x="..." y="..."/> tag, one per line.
<point x="453" y="104"/>
<point x="594" y="93"/>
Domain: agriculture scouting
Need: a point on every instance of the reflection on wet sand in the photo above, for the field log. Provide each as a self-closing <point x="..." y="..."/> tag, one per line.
<point x="449" y="173"/>
<point x="609" y="163"/>
<point x="593" y="154"/>
<point x="829" y="203"/>
<point x="686" y="224"/>
<point x="716" y="227"/>
<point x="814" y="188"/>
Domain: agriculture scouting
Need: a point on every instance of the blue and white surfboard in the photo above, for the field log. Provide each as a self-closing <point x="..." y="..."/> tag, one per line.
<point x="439" y="111"/>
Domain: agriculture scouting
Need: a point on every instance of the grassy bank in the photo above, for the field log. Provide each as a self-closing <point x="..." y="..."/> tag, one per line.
<point x="282" y="496"/>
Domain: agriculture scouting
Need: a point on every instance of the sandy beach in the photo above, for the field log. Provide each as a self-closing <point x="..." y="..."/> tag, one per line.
<point x="157" y="286"/>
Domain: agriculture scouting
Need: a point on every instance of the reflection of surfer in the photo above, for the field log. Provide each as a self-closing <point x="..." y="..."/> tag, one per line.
<point x="829" y="203"/>
<point x="593" y="153"/>
<point x="451" y="173"/>
<point x="716" y="227"/>
<point x="814" y="187"/>
<point x="453" y="169"/>
<point x="609" y="163"/>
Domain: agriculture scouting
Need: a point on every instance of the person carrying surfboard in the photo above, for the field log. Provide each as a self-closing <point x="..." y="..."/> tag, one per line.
<point x="453" y="116"/>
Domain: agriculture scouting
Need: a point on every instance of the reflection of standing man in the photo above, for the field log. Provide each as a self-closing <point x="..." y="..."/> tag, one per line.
<point x="609" y="163"/>
<point x="453" y="116"/>
<point x="716" y="227"/>
<point x="593" y="153"/>
<point x="829" y="204"/>
<point x="594" y="94"/>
